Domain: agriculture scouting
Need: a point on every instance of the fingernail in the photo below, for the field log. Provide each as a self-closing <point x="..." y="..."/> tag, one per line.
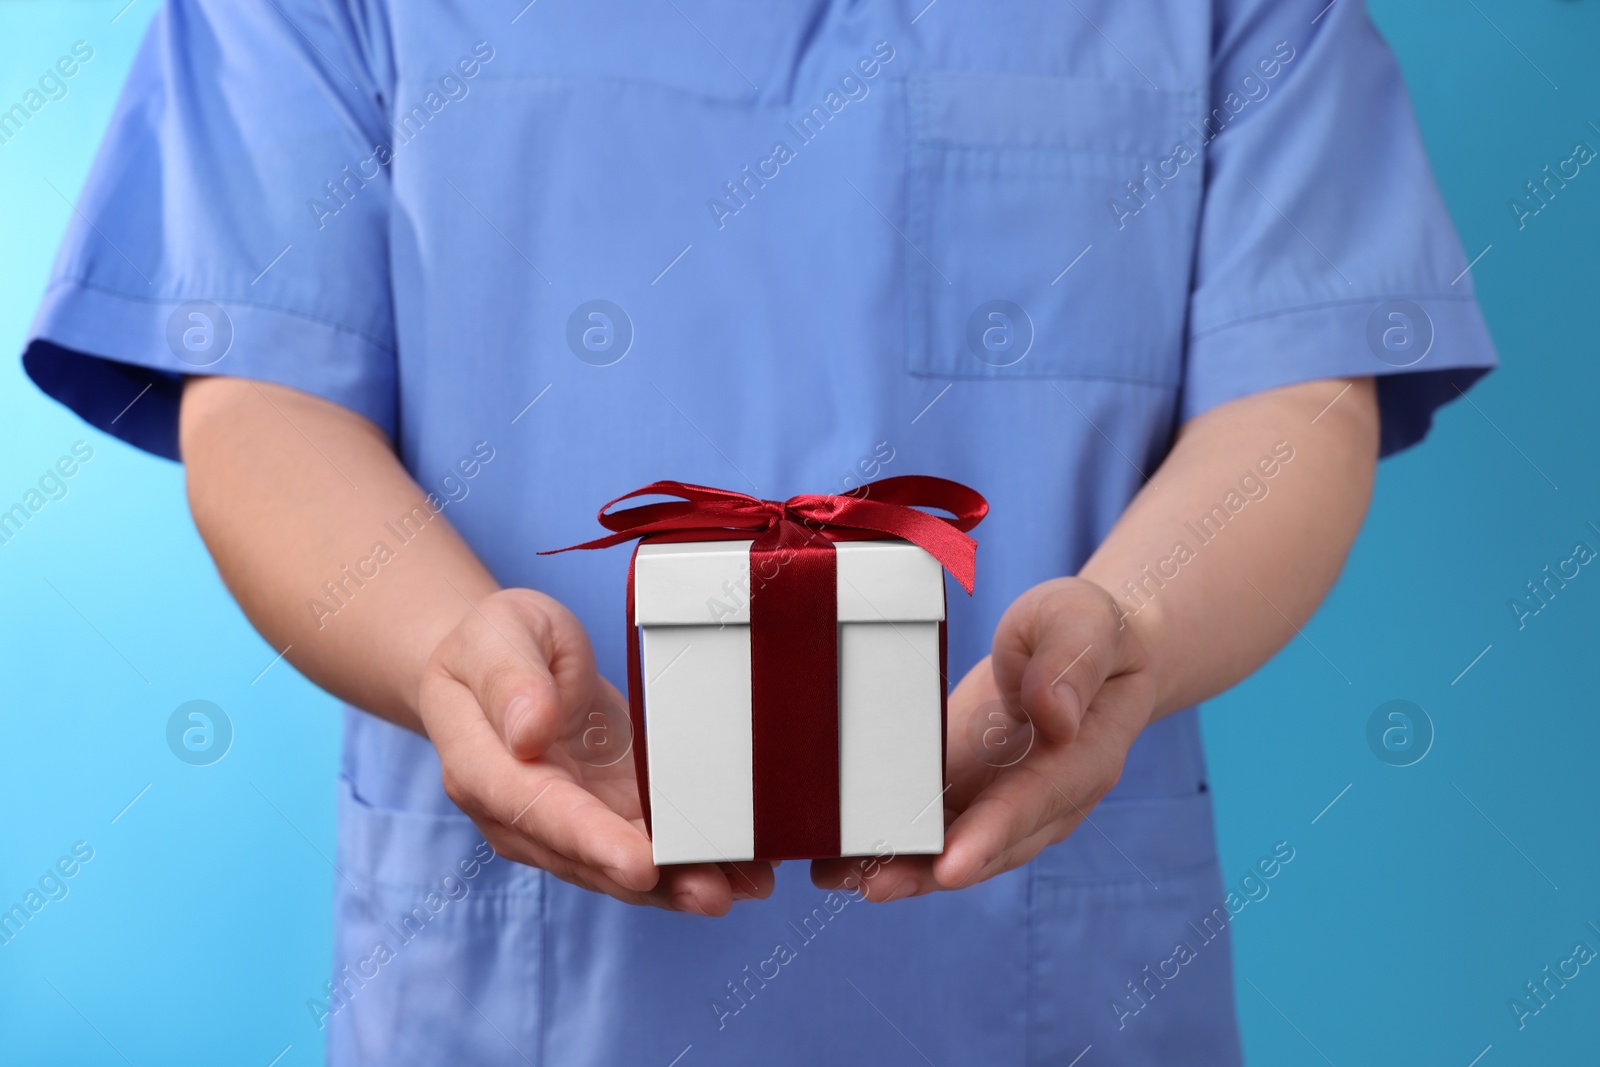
<point x="687" y="901"/>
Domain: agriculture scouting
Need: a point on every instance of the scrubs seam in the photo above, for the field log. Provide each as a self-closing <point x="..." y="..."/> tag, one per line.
<point x="917" y="281"/>
<point x="1262" y="316"/>
<point x="1096" y="152"/>
<point x="80" y="282"/>
<point x="1165" y="872"/>
<point x="1174" y="107"/>
<point x="544" y="965"/>
<point x="1170" y="387"/>
<point x="561" y="82"/>
<point x="503" y="893"/>
<point x="1029" y="980"/>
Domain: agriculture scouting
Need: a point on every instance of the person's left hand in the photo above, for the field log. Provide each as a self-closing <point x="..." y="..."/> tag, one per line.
<point x="1064" y="660"/>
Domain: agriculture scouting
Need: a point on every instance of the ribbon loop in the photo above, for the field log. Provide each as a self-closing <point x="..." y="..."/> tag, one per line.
<point x="889" y="507"/>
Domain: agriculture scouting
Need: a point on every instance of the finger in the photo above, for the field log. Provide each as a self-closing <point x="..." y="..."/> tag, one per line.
<point x="520" y="849"/>
<point x="711" y="888"/>
<point x="1011" y="809"/>
<point x="528" y="663"/>
<point x="892" y="878"/>
<point x="1052" y="651"/>
<point x="1047" y="794"/>
<point x="699" y="889"/>
<point x="535" y="800"/>
<point x="1013" y="855"/>
<point x="750" y="880"/>
<point x="696" y="888"/>
<point x="564" y="829"/>
<point x="971" y="761"/>
<point x="914" y="876"/>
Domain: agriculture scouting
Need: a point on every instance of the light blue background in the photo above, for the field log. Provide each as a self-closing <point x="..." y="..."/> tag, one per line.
<point x="1415" y="907"/>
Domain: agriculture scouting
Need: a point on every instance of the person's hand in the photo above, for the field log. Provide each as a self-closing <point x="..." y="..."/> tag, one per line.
<point x="1064" y="661"/>
<point x="507" y="699"/>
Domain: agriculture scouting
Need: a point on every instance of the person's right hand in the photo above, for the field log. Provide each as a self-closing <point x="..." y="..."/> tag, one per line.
<point x="506" y="698"/>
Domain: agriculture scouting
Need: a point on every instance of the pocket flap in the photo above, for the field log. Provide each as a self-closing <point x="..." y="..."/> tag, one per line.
<point x="981" y="109"/>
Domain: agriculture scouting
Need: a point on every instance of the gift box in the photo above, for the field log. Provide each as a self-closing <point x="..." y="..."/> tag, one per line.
<point x="787" y="689"/>
<point x="880" y="754"/>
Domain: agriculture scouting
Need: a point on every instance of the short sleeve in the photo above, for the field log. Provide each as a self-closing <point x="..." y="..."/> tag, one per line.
<point x="1324" y="249"/>
<point x="235" y="222"/>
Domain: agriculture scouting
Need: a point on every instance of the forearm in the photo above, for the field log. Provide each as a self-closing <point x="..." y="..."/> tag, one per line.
<point x="324" y="539"/>
<point x="1217" y="562"/>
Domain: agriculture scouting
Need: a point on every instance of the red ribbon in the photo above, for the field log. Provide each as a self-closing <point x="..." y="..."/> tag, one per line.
<point x="794" y="665"/>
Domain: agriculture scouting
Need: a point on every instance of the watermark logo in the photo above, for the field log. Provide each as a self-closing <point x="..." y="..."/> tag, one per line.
<point x="1254" y="887"/>
<point x="599" y="333"/>
<point x="1399" y="733"/>
<point x="1000" y="736"/>
<point x="741" y="191"/>
<point x="1400" y="333"/>
<point x="199" y="333"/>
<point x="199" y="733"/>
<point x="1000" y="333"/>
<point x="1154" y="176"/>
<point x="601" y="734"/>
<point x="746" y="985"/>
<point x="51" y="86"/>
<point x="1540" y="193"/>
<point x="53" y="885"/>
<point x="411" y="115"/>
<point x="1537" y="994"/>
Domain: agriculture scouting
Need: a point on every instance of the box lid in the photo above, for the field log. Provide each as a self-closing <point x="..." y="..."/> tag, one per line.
<point x="700" y="583"/>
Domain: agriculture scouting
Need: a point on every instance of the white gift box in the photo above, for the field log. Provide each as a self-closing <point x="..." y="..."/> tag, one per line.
<point x="692" y="607"/>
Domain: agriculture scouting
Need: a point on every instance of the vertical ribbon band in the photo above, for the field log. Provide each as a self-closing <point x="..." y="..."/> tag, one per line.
<point x="794" y="693"/>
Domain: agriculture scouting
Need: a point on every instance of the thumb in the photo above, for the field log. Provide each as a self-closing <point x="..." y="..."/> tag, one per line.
<point x="527" y="661"/>
<point x="1052" y="653"/>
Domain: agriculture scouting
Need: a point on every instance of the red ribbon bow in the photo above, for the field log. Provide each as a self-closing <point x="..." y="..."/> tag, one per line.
<point x="885" y="507"/>
<point x="794" y="674"/>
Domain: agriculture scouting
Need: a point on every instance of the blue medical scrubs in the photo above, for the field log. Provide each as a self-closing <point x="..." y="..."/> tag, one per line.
<point x="561" y="250"/>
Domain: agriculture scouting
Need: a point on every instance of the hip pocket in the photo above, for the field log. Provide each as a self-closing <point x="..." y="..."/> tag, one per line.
<point x="438" y="943"/>
<point x="1109" y="909"/>
<point x="1026" y="266"/>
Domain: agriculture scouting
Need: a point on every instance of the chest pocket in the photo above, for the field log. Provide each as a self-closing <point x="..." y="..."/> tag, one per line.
<point x="1053" y="221"/>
